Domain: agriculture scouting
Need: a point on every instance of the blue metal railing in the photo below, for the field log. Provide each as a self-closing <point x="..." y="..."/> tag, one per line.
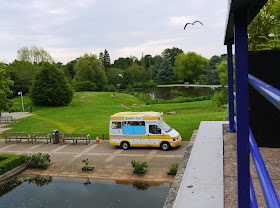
<point x="273" y="95"/>
<point x="266" y="184"/>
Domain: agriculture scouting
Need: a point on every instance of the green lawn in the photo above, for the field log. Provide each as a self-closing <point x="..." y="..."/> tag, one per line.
<point x="90" y="112"/>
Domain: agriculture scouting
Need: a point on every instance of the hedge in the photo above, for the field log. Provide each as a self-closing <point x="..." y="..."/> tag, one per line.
<point x="9" y="162"/>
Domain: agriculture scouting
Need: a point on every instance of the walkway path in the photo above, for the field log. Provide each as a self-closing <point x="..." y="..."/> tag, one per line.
<point x="16" y="115"/>
<point x="109" y="161"/>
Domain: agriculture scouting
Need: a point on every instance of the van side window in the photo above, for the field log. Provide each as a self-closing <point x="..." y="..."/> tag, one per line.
<point x="154" y="129"/>
<point x="116" y="125"/>
<point x="134" y="127"/>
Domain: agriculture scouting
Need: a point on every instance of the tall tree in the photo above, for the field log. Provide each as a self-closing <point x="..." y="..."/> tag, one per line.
<point x="165" y="71"/>
<point x="70" y="66"/>
<point x="89" y="68"/>
<point x="138" y="73"/>
<point x="211" y="74"/>
<point x="171" y="53"/>
<point x="5" y="83"/>
<point x="34" y="55"/>
<point x="189" y="66"/>
<point x="104" y="58"/>
<point x="22" y="73"/>
<point x="50" y="87"/>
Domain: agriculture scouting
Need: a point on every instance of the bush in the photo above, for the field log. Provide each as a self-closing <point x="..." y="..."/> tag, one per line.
<point x="85" y="86"/>
<point x="50" y="88"/>
<point x="110" y="88"/>
<point x="129" y="88"/>
<point x="139" y="168"/>
<point x="38" y="160"/>
<point x="221" y="98"/>
<point x="174" y="167"/>
<point x="9" y="162"/>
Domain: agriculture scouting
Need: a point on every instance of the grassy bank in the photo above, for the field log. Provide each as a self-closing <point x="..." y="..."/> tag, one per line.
<point x="90" y="111"/>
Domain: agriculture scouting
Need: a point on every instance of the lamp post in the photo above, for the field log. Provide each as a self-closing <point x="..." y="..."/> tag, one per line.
<point x="20" y="93"/>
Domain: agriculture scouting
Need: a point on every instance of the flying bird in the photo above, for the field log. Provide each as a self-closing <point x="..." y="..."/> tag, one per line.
<point x="192" y="23"/>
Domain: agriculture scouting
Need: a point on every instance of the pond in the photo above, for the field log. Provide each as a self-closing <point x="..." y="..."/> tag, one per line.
<point x="47" y="191"/>
<point x="166" y="92"/>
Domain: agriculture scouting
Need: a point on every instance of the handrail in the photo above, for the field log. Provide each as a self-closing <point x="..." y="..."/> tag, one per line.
<point x="267" y="187"/>
<point x="253" y="199"/>
<point x="270" y="93"/>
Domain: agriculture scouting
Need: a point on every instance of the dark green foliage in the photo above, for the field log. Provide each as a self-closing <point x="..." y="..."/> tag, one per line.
<point x="70" y="66"/>
<point x="123" y="63"/>
<point x="211" y="74"/>
<point x="171" y="53"/>
<point x="174" y="167"/>
<point x="104" y="58"/>
<point x="110" y="88"/>
<point x="138" y="73"/>
<point x="22" y="73"/>
<point x="5" y="83"/>
<point x="114" y="76"/>
<point x="139" y="168"/>
<point x="165" y="71"/>
<point x="127" y="78"/>
<point x="49" y="87"/>
<point x="38" y="160"/>
<point x="85" y="86"/>
<point x="9" y="162"/>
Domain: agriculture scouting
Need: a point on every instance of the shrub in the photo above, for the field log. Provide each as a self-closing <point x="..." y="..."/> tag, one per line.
<point x="139" y="168"/>
<point x="38" y="160"/>
<point x="110" y="88"/>
<point x="86" y="162"/>
<point x="85" y="86"/>
<point x="174" y="167"/>
<point x="9" y="162"/>
<point x="49" y="87"/>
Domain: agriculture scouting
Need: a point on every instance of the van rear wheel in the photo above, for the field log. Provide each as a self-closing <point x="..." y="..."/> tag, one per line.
<point x="125" y="145"/>
<point x="165" y="146"/>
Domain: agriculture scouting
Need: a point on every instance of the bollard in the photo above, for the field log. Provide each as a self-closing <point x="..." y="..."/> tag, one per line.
<point x="102" y="136"/>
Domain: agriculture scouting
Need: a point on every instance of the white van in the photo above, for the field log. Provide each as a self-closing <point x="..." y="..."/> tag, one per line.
<point x="142" y="129"/>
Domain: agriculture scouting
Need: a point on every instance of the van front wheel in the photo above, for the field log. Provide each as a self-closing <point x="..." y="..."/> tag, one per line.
<point x="125" y="145"/>
<point x="165" y="146"/>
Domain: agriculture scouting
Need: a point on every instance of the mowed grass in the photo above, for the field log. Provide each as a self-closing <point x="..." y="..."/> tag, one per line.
<point x="90" y="112"/>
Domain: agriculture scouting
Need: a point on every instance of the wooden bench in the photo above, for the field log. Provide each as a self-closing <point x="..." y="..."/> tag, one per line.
<point x="75" y="136"/>
<point x="16" y="135"/>
<point x="40" y="135"/>
<point x="7" y="119"/>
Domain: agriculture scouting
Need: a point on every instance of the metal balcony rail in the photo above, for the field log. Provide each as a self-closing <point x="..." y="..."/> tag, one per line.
<point x="266" y="184"/>
<point x="270" y="93"/>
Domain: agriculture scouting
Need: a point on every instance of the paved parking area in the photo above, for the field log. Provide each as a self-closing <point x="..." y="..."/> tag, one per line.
<point x="110" y="162"/>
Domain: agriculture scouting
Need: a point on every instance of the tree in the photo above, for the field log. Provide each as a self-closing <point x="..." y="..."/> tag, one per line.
<point x="127" y="80"/>
<point x="165" y="71"/>
<point x="114" y="76"/>
<point x="138" y="73"/>
<point x="162" y="69"/>
<point x="264" y="30"/>
<point x="211" y="74"/>
<point x="34" y="55"/>
<point x="123" y="63"/>
<point x="22" y="73"/>
<point x="88" y="68"/>
<point x="50" y="87"/>
<point x="70" y="66"/>
<point x="5" y="83"/>
<point x="105" y="60"/>
<point x="189" y="66"/>
<point x="221" y="98"/>
<point x="171" y="53"/>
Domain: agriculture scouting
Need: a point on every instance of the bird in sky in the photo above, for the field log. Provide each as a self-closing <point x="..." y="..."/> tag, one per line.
<point x="192" y="23"/>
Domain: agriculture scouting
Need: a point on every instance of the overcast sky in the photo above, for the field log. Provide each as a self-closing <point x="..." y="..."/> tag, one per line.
<point x="69" y="28"/>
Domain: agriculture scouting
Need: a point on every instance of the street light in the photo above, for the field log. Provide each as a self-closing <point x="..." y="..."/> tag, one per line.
<point x="20" y="93"/>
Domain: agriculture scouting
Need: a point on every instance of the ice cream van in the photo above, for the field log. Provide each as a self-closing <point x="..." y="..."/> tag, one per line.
<point x="142" y="129"/>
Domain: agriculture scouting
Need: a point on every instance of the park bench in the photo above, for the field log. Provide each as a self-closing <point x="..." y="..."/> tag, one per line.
<point x="75" y="136"/>
<point x="16" y="135"/>
<point x="7" y="119"/>
<point x="40" y="135"/>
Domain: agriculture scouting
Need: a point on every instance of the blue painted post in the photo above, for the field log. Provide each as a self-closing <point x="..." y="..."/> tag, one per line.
<point x="230" y="89"/>
<point x="241" y="78"/>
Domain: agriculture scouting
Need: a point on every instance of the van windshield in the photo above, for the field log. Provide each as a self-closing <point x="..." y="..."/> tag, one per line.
<point x="164" y="126"/>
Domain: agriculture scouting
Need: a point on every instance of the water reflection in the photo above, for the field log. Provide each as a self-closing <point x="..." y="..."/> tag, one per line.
<point x="166" y="92"/>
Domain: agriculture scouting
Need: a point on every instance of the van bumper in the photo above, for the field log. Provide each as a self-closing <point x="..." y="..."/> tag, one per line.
<point x="175" y="144"/>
